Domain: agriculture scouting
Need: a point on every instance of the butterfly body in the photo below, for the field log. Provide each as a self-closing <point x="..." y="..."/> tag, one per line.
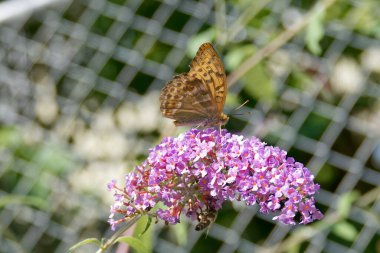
<point x="209" y="122"/>
<point x="198" y="96"/>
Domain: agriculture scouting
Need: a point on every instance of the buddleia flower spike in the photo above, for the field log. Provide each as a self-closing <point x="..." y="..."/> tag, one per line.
<point x="196" y="172"/>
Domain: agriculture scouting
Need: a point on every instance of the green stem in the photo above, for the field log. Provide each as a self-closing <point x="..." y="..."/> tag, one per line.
<point x="117" y="234"/>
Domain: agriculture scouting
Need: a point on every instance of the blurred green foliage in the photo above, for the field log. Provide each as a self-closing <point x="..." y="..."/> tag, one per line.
<point x="35" y="161"/>
<point x="31" y="158"/>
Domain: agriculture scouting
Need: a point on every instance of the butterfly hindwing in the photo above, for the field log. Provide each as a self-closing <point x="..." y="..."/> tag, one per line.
<point x="186" y="100"/>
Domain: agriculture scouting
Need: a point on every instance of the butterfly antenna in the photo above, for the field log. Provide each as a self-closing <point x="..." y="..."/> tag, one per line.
<point x="240" y="114"/>
<point x="240" y="106"/>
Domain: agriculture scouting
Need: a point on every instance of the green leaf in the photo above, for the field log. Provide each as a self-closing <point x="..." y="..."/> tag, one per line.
<point x="314" y="33"/>
<point x="146" y="236"/>
<point x="345" y="230"/>
<point x="259" y="85"/>
<point x="84" y="242"/>
<point x="237" y="55"/>
<point x="135" y="243"/>
<point x="147" y="226"/>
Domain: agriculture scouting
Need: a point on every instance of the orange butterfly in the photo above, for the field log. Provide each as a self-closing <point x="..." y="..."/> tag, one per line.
<point x="197" y="97"/>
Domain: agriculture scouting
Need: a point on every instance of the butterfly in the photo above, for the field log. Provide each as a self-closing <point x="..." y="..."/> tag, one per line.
<point x="198" y="96"/>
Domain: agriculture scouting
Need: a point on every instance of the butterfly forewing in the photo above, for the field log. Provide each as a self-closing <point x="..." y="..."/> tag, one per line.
<point x="197" y="97"/>
<point x="208" y="67"/>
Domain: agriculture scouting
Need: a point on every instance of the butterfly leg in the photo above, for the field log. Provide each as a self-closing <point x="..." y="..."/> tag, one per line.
<point x="197" y="129"/>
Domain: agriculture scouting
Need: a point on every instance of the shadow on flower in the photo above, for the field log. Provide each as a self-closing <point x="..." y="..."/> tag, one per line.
<point x="196" y="172"/>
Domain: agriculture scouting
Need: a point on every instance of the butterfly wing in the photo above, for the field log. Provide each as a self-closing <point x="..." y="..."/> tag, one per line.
<point x="196" y="97"/>
<point x="208" y="67"/>
<point x="186" y="100"/>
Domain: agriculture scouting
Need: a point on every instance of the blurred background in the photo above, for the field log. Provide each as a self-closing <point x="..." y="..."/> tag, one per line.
<point x="79" y="90"/>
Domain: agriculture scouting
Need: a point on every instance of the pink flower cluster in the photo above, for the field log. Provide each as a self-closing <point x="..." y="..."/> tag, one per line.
<point x="200" y="169"/>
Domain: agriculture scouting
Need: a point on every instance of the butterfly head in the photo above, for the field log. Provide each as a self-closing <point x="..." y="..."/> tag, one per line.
<point x="223" y="119"/>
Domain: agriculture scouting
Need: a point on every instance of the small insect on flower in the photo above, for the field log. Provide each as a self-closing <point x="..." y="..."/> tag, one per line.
<point x="205" y="218"/>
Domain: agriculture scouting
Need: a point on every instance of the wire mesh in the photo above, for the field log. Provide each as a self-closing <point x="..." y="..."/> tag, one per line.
<point x="80" y="81"/>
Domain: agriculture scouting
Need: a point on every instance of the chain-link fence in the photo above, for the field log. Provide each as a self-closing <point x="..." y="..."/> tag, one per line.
<point x="79" y="87"/>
